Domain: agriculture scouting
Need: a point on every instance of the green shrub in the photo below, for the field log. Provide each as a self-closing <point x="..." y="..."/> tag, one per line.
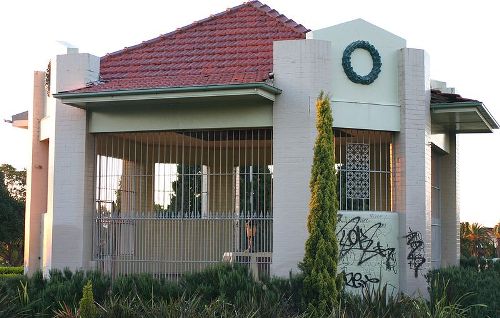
<point x="19" y="270"/>
<point x="496" y="266"/>
<point x="10" y="307"/>
<point x="10" y="275"/>
<point x="9" y="284"/>
<point x="63" y="287"/>
<point x="481" y="287"/>
<point x="322" y="284"/>
<point x="468" y="262"/>
<point x="230" y="291"/>
<point x="145" y="286"/>
<point x="87" y="308"/>
<point x="222" y="280"/>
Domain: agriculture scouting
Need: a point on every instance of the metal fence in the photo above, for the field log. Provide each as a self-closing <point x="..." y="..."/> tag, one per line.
<point x="174" y="202"/>
<point x="364" y="169"/>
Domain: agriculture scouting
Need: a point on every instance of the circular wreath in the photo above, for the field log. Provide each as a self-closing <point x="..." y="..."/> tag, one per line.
<point x="349" y="71"/>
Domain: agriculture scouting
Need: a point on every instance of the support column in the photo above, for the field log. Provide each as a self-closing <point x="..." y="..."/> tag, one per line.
<point x="68" y="234"/>
<point x="36" y="201"/>
<point x="302" y="68"/>
<point x="412" y="172"/>
<point x="450" y="209"/>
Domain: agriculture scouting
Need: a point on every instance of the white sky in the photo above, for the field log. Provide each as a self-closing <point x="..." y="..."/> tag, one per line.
<point x="459" y="36"/>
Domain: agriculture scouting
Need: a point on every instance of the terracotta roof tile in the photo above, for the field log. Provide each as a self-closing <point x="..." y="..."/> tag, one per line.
<point x="439" y="97"/>
<point x="234" y="46"/>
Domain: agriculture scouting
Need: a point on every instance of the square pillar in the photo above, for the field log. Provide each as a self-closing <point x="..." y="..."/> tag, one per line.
<point x="36" y="179"/>
<point x="302" y="68"/>
<point x="450" y="209"/>
<point x="70" y="191"/>
<point x="412" y="171"/>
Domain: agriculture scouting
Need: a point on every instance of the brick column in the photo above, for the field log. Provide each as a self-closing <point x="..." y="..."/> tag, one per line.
<point x="68" y="234"/>
<point x="302" y="69"/>
<point x="450" y="209"/>
<point x="412" y="171"/>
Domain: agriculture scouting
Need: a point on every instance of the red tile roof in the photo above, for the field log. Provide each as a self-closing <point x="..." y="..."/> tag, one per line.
<point x="232" y="47"/>
<point x="438" y="97"/>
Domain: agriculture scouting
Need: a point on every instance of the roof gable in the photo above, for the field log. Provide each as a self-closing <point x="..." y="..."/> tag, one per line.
<point x="232" y="47"/>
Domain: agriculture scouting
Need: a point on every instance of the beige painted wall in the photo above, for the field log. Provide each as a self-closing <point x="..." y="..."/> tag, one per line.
<point x="375" y="106"/>
<point x="172" y="117"/>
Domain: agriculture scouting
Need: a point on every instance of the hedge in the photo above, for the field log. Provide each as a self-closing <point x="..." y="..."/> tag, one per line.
<point x="19" y="270"/>
<point x="10" y="275"/>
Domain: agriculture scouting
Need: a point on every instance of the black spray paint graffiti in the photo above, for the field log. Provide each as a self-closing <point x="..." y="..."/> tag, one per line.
<point x="358" y="280"/>
<point x="416" y="255"/>
<point x="355" y="238"/>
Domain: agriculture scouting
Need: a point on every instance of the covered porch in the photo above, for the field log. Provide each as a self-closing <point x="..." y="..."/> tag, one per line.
<point x="171" y="202"/>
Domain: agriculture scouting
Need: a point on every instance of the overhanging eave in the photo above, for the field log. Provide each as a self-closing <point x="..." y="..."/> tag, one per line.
<point x="20" y="120"/>
<point x="261" y="92"/>
<point x="462" y="117"/>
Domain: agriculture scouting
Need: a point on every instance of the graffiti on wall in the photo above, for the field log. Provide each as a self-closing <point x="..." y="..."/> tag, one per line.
<point x="358" y="280"/>
<point x="368" y="243"/>
<point x="366" y="240"/>
<point x="416" y="254"/>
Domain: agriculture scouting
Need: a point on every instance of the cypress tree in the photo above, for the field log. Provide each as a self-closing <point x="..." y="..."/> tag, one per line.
<point x="321" y="283"/>
<point x="87" y="308"/>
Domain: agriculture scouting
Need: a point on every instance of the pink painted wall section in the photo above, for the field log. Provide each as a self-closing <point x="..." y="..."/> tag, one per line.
<point x="36" y="182"/>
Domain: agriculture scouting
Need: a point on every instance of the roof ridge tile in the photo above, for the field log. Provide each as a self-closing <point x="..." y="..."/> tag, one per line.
<point x="254" y="3"/>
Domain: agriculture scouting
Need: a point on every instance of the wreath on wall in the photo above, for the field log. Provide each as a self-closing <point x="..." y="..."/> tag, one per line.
<point x="347" y="65"/>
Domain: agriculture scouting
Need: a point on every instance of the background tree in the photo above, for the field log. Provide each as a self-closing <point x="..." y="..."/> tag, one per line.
<point x="496" y="232"/>
<point x="480" y="239"/>
<point x="118" y="203"/>
<point x="11" y="222"/>
<point x="186" y="199"/>
<point x="321" y="282"/>
<point x="475" y="240"/>
<point x="465" y="244"/>
<point x="15" y="181"/>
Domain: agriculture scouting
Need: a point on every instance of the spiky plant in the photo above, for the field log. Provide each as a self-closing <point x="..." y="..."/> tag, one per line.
<point x="321" y="282"/>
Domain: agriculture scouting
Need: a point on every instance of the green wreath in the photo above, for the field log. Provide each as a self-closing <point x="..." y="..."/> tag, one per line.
<point x="349" y="71"/>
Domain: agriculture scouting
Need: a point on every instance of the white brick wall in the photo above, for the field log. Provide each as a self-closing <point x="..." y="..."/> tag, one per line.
<point x="450" y="210"/>
<point x="302" y="69"/>
<point x="70" y="190"/>
<point x="412" y="157"/>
